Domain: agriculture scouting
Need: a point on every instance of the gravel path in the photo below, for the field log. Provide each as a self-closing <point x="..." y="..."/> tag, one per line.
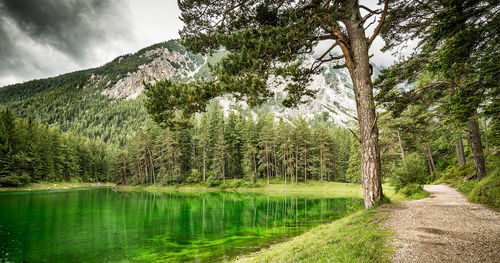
<point x="444" y="228"/>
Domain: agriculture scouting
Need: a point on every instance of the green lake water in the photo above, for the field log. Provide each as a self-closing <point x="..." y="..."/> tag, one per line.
<point x="103" y="225"/>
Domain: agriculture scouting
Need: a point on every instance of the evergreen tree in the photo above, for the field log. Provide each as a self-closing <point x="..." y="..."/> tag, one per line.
<point x="274" y="45"/>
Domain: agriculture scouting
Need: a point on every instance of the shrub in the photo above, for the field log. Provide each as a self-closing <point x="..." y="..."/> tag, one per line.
<point x="415" y="172"/>
<point x="236" y="183"/>
<point x="194" y="177"/>
<point x="212" y="179"/>
<point x="411" y="189"/>
<point x="14" y="180"/>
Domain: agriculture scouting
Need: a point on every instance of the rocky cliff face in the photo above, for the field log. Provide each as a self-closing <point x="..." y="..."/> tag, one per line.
<point x="334" y="97"/>
<point x="165" y="64"/>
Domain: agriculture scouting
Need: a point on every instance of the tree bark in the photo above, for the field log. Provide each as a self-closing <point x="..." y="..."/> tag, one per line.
<point x="486" y="136"/>
<point x="402" y="150"/>
<point x="204" y="164"/>
<point x="305" y="162"/>
<point x="358" y="63"/>
<point x="460" y="151"/>
<point x="477" y="148"/>
<point x="431" y="160"/>
<point x="321" y="158"/>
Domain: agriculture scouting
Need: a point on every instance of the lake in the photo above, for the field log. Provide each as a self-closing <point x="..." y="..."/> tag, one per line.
<point x="104" y="225"/>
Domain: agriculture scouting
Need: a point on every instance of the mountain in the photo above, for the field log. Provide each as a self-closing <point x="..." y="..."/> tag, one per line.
<point x="106" y="102"/>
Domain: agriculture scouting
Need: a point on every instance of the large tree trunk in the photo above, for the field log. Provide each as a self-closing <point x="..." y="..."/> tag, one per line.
<point x="360" y="71"/>
<point x="477" y="148"/>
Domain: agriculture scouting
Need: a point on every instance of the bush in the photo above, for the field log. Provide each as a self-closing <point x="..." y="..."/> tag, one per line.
<point x="194" y="177"/>
<point x="236" y="183"/>
<point x="411" y="189"/>
<point x="415" y="172"/>
<point x="250" y="178"/>
<point x="212" y="179"/>
<point x="14" y="180"/>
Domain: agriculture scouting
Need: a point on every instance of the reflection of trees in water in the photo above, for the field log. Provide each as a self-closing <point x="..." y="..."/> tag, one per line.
<point x="215" y="212"/>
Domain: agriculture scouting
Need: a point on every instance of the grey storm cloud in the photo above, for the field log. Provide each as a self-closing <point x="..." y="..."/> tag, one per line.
<point x="71" y="27"/>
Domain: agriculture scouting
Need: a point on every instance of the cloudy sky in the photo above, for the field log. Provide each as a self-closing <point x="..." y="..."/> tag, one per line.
<point x="42" y="38"/>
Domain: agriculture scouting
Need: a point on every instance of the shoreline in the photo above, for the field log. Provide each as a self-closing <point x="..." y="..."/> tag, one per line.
<point x="51" y="186"/>
<point x="314" y="188"/>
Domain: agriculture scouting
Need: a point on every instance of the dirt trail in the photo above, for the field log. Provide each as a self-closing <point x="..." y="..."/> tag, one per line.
<point x="444" y="228"/>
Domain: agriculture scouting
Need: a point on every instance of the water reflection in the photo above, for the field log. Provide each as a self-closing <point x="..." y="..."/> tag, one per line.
<point x="103" y="225"/>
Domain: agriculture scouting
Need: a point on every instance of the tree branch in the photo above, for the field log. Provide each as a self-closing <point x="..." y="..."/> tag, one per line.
<point x="328" y="50"/>
<point x="224" y="15"/>
<point x="378" y="11"/>
<point x="325" y="3"/>
<point x="355" y="136"/>
<point x="308" y="6"/>
<point x="380" y="23"/>
<point x="326" y="37"/>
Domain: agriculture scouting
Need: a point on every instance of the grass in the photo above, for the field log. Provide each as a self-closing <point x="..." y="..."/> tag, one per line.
<point x="41" y="186"/>
<point x="312" y="188"/>
<point x="355" y="238"/>
<point x="487" y="191"/>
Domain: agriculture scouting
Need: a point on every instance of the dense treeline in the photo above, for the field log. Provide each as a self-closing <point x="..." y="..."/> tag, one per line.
<point x="216" y="148"/>
<point x="32" y="152"/>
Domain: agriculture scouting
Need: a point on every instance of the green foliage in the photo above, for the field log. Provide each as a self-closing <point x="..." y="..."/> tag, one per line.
<point x="413" y="190"/>
<point x="487" y="191"/>
<point x="353" y="174"/>
<point x="235" y="147"/>
<point x="415" y="172"/>
<point x="212" y="179"/>
<point x="194" y="177"/>
<point x="31" y="152"/>
<point x="264" y="41"/>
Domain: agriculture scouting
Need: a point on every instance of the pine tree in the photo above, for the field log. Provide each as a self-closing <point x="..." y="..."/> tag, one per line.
<point x="256" y="53"/>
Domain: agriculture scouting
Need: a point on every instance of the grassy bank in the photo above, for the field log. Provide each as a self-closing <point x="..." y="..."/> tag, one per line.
<point x="41" y="186"/>
<point x="486" y="192"/>
<point x="356" y="238"/>
<point x="313" y="188"/>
